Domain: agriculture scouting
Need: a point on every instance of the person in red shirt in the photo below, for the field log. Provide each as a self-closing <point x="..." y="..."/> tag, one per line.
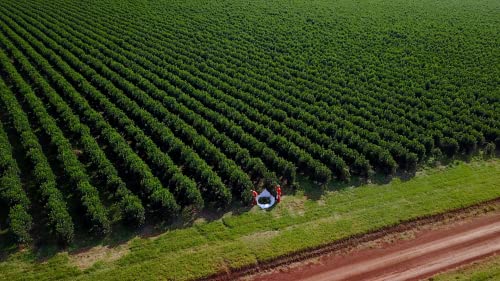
<point x="278" y="193"/>
<point x="254" y="195"/>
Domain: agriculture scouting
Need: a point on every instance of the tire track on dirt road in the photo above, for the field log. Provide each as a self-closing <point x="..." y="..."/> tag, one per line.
<point x="419" y="260"/>
<point x="430" y="249"/>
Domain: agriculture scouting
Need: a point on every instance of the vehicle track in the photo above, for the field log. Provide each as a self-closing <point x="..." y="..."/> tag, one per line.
<point x="285" y="267"/>
<point x="429" y="252"/>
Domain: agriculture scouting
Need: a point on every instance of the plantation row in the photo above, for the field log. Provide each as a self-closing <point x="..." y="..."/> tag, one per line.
<point x="114" y="112"/>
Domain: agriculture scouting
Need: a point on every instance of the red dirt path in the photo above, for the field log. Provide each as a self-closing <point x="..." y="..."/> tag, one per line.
<point x="429" y="252"/>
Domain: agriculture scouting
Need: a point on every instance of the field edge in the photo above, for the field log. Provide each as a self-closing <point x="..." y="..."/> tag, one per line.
<point x="305" y="254"/>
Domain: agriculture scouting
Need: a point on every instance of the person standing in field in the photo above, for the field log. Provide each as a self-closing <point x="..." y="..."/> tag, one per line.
<point x="278" y="193"/>
<point x="254" y="195"/>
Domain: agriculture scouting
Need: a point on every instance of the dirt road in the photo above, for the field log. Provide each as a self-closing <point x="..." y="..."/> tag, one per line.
<point x="422" y="255"/>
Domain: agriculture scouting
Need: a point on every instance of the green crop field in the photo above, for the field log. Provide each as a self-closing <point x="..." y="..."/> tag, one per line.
<point x="303" y="220"/>
<point x="126" y="112"/>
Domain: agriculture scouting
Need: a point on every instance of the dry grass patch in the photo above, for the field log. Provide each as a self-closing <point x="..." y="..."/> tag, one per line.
<point x="86" y="259"/>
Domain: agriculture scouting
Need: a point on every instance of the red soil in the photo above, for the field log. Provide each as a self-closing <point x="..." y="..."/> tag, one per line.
<point x="429" y="252"/>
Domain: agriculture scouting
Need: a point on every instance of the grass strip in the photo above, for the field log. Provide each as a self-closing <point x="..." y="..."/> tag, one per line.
<point x="303" y="220"/>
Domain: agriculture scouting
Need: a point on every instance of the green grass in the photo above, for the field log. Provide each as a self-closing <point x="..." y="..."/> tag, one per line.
<point x="488" y="270"/>
<point x="299" y="222"/>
